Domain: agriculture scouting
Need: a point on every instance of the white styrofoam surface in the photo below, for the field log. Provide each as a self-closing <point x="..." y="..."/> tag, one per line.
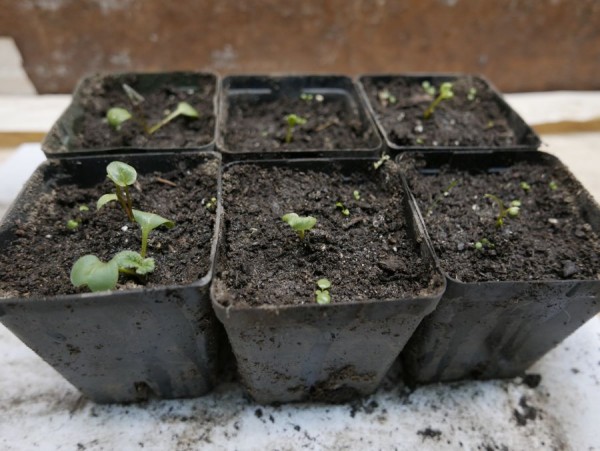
<point x="40" y="410"/>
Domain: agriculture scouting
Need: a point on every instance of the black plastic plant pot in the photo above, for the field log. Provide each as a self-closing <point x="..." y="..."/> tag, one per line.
<point x="304" y="350"/>
<point x="497" y="329"/>
<point x="253" y="113"/>
<point x="83" y="128"/>
<point x="476" y="117"/>
<point x="130" y="344"/>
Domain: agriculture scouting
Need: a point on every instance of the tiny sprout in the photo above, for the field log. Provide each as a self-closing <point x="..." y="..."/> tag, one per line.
<point x="341" y="206"/>
<point x="356" y="194"/>
<point x="553" y="185"/>
<point x="306" y="96"/>
<point x="72" y="224"/>
<point x="419" y="141"/>
<point x="84" y="208"/>
<point x="149" y="222"/>
<point x="484" y="244"/>
<point x="183" y="109"/>
<point x="525" y="186"/>
<point x="512" y="210"/>
<point x="386" y="97"/>
<point x="211" y="205"/>
<point x="440" y="196"/>
<point x="322" y="295"/>
<point x="490" y="124"/>
<point x="292" y="120"/>
<point x="300" y="224"/>
<point x="123" y="176"/>
<point x="383" y="159"/>
<point x="471" y="94"/>
<point x="445" y="93"/>
<point x="428" y="88"/>
<point x="117" y="116"/>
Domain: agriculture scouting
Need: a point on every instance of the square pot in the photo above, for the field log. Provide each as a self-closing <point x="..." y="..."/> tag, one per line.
<point x="496" y="126"/>
<point x="486" y="329"/>
<point x="83" y="130"/>
<point x="252" y="115"/>
<point x="129" y="344"/>
<point x="288" y="347"/>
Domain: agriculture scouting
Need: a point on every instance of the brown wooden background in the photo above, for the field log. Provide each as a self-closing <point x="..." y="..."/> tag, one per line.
<point x="521" y="45"/>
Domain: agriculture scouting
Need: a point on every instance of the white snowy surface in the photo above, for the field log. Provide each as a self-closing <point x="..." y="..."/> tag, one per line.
<point x="40" y="410"/>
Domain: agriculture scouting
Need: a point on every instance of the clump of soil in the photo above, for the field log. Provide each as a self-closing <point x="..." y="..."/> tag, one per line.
<point x="91" y="130"/>
<point x="367" y="255"/>
<point x="38" y="262"/>
<point x="255" y="124"/>
<point x="456" y="122"/>
<point x="550" y="238"/>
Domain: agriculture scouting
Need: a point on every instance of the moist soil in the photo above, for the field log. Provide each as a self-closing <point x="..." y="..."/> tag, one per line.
<point x="255" y="125"/>
<point x="456" y="122"/>
<point x="91" y="130"/>
<point x="367" y="255"/>
<point x="548" y="240"/>
<point x="38" y="262"/>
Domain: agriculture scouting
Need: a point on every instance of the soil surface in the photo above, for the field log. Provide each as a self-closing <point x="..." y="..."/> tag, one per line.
<point x="367" y="255"/>
<point x="259" y="125"/>
<point x="91" y="130"/>
<point x="549" y="239"/>
<point x="38" y="262"/>
<point x="456" y="122"/>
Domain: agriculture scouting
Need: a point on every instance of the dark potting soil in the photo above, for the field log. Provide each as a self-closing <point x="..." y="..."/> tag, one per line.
<point x="38" y="262"/>
<point x="97" y="97"/>
<point x="456" y="122"/>
<point x="548" y="240"/>
<point x="260" y="125"/>
<point x="366" y="255"/>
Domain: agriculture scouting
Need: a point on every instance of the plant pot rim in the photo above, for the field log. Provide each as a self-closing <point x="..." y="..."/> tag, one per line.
<point x="436" y="290"/>
<point x="360" y="79"/>
<point x="368" y="151"/>
<point x="107" y="294"/>
<point x="52" y="152"/>
<point x="518" y="154"/>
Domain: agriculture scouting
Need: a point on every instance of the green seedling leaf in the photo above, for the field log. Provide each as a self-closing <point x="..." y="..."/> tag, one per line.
<point x="72" y="224"/>
<point x="104" y="199"/>
<point x="301" y="224"/>
<point x="428" y="88"/>
<point x="293" y="120"/>
<point x="149" y="222"/>
<point x="356" y="194"/>
<point x="322" y="297"/>
<point x="121" y="173"/>
<point x="444" y="94"/>
<point x="133" y="260"/>
<point x="525" y="186"/>
<point x="306" y="96"/>
<point x="341" y="206"/>
<point x="117" y="116"/>
<point x="553" y="186"/>
<point x="323" y="284"/>
<point x="383" y="159"/>
<point x="386" y="97"/>
<point x="211" y="205"/>
<point x="183" y="109"/>
<point x="91" y="271"/>
<point x="84" y="208"/>
<point x="471" y="94"/>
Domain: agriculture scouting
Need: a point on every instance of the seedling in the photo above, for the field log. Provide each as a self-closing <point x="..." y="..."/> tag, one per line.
<point x="149" y="222"/>
<point x="471" y="94"/>
<point x="300" y="224"/>
<point x="72" y="224"/>
<point x="306" y="96"/>
<point x="483" y="245"/>
<point x="356" y="194"/>
<point x="322" y="295"/>
<point x="123" y="176"/>
<point x="553" y="185"/>
<point x="428" y="88"/>
<point x="386" y="97"/>
<point x="117" y="116"/>
<point x="440" y="196"/>
<point x="444" y="94"/>
<point x="383" y="159"/>
<point x="341" y="206"/>
<point x="292" y="121"/>
<point x="503" y="212"/>
<point x="211" y="205"/>
<point x="525" y="186"/>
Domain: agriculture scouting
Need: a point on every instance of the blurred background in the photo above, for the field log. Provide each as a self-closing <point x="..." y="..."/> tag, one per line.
<point x="521" y="45"/>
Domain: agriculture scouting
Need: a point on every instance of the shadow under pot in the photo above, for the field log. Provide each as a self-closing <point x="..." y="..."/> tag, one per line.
<point x="443" y="112"/>
<point x="154" y="335"/>
<point x="293" y="116"/>
<point x="518" y="239"/>
<point x="319" y="309"/>
<point x="136" y="112"/>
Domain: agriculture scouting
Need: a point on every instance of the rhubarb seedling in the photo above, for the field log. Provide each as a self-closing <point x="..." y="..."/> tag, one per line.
<point x="300" y="224"/>
<point x="123" y="176"/>
<point x="292" y="121"/>
<point x="322" y="295"/>
<point x="444" y="94"/>
<point x="512" y="210"/>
